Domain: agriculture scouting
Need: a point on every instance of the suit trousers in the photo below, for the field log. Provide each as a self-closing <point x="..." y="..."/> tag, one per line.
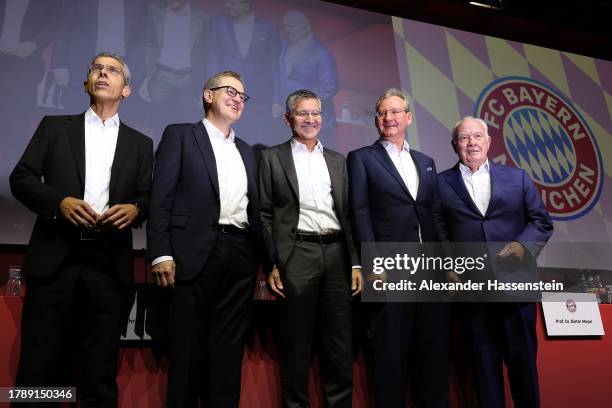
<point x="504" y="333"/>
<point x="77" y="309"/>
<point x="209" y="319"/>
<point x="317" y="289"/>
<point x="409" y="340"/>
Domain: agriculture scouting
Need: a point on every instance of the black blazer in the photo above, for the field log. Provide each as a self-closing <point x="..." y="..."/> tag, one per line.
<point x="280" y="204"/>
<point x="185" y="202"/>
<point x="53" y="167"/>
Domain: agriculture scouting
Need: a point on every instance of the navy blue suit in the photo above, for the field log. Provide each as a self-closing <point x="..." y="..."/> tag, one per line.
<point x="501" y="330"/>
<point x="314" y="69"/>
<point x="215" y="271"/>
<point x="259" y="68"/>
<point x="384" y="211"/>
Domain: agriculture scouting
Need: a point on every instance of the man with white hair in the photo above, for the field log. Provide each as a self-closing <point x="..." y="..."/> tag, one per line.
<point x="486" y="202"/>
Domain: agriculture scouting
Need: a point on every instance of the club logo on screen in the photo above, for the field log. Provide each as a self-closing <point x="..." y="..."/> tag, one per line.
<point x="533" y="127"/>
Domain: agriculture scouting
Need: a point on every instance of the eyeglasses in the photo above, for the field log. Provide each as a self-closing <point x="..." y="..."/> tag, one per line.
<point x="394" y="112"/>
<point x="303" y="114"/>
<point x="111" y="69"/>
<point x="231" y="91"/>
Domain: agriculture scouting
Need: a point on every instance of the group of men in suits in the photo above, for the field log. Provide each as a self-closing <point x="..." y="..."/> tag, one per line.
<point x="215" y="214"/>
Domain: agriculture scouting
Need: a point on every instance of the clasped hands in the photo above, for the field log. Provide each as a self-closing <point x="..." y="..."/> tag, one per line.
<point x="80" y="214"/>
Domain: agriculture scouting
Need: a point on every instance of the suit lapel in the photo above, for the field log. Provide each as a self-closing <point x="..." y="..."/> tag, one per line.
<point x="383" y="157"/>
<point x="249" y="167"/>
<point x="286" y="159"/>
<point x="334" y="167"/>
<point x="203" y="142"/>
<point x="497" y="174"/>
<point x="454" y="179"/>
<point x="76" y="135"/>
<point x="421" y="173"/>
<point x="124" y="143"/>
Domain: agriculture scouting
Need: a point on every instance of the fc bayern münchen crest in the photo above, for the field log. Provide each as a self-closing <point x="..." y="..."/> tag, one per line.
<point x="533" y="127"/>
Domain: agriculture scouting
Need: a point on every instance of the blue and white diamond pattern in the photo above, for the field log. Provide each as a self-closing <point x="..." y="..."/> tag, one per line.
<point x="540" y="145"/>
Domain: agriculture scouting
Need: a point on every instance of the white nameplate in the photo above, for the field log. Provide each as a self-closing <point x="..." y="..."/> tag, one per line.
<point x="572" y="314"/>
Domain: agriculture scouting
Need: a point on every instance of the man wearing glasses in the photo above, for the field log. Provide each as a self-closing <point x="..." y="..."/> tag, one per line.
<point x="304" y="207"/>
<point x="87" y="177"/>
<point x="394" y="198"/>
<point x="204" y="238"/>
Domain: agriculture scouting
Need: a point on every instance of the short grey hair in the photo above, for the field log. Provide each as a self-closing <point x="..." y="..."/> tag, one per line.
<point x="295" y="97"/>
<point x="393" y="92"/>
<point x="455" y="133"/>
<point x="127" y="75"/>
<point x="215" y="81"/>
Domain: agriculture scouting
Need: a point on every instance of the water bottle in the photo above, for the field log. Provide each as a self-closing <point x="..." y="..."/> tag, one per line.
<point x="13" y="285"/>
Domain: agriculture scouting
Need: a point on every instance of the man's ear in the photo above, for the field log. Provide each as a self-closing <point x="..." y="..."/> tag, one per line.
<point x="207" y="95"/>
<point x="126" y="91"/>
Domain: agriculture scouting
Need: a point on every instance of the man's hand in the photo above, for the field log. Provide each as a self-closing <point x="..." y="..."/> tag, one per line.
<point x="163" y="273"/>
<point x="120" y="216"/>
<point x="452" y="277"/>
<point x="371" y="277"/>
<point x="78" y="212"/>
<point x="513" y="251"/>
<point x="274" y="282"/>
<point x="356" y="281"/>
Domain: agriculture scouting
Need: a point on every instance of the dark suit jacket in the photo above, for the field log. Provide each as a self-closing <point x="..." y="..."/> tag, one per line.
<point x="259" y="67"/>
<point x="197" y="41"/>
<point x="515" y="213"/>
<point x="185" y="202"/>
<point x="314" y="69"/>
<point x="53" y="167"/>
<point x="383" y="209"/>
<point x="280" y="205"/>
<point x="76" y="40"/>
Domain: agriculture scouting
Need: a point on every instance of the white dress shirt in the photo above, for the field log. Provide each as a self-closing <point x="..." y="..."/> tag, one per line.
<point x="111" y="26"/>
<point x="316" y="202"/>
<point x="402" y="160"/>
<point x="243" y="30"/>
<point x="297" y="50"/>
<point x="478" y="184"/>
<point x="176" y="42"/>
<point x="233" y="187"/>
<point x="232" y="175"/>
<point x="100" y="144"/>
<point x="404" y="164"/>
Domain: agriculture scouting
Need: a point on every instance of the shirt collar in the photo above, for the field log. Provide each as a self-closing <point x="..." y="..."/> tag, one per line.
<point x="92" y="118"/>
<point x="392" y="148"/>
<point x="484" y="168"/>
<point x="297" y="145"/>
<point x="215" y="133"/>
